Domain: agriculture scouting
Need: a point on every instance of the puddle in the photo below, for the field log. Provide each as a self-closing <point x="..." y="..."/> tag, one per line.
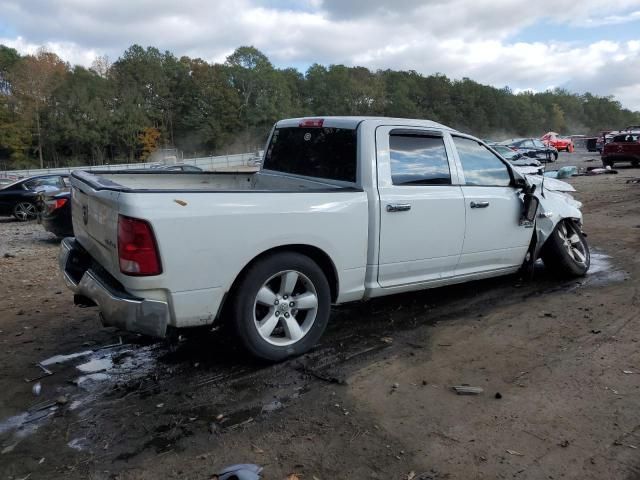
<point x="92" y="377"/>
<point x="64" y="358"/>
<point x="100" y="370"/>
<point x="96" y="365"/>
<point x="602" y="271"/>
<point x="26" y="423"/>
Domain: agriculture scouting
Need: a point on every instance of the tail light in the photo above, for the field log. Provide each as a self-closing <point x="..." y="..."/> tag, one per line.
<point x="311" y="123"/>
<point x="137" y="248"/>
<point x="55" y="204"/>
<point x="515" y="149"/>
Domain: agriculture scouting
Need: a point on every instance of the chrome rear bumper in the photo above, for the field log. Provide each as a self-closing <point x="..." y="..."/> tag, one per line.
<point x="117" y="308"/>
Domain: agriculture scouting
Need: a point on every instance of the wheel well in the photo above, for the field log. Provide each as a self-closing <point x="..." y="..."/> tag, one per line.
<point x="317" y="255"/>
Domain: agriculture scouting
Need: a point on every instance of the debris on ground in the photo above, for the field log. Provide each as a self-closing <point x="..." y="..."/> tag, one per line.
<point x="633" y="180"/>
<point x="515" y="452"/>
<point x="628" y="372"/>
<point x="498" y="395"/>
<point x="36" y="389"/>
<point x="45" y="370"/>
<point x="600" y="170"/>
<point x="467" y="390"/>
<point x="243" y="471"/>
<point x="564" y="443"/>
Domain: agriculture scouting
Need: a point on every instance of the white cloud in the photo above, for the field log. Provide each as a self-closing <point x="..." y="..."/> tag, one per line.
<point x="471" y="38"/>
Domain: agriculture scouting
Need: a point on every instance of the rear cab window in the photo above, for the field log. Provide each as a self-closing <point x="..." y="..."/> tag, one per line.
<point x="320" y="152"/>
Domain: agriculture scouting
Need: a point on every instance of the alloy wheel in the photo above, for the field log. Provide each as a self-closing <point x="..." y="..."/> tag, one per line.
<point x="285" y="308"/>
<point x="25" y="211"/>
<point x="573" y="243"/>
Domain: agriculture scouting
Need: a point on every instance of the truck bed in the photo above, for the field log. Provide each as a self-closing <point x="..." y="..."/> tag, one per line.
<point x="262" y="181"/>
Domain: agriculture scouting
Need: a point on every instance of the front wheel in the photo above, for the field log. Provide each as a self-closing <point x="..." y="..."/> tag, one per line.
<point x="566" y="251"/>
<point x="281" y="306"/>
<point x="24" y="211"/>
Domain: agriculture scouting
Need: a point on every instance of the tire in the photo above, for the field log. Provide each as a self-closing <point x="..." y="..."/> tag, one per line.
<point x="25" y="211"/>
<point x="555" y="156"/>
<point x="635" y="163"/>
<point x="607" y="163"/>
<point x="566" y="252"/>
<point x="263" y="306"/>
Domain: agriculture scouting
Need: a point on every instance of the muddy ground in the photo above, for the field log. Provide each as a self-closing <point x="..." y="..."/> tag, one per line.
<point x="373" y="400"/>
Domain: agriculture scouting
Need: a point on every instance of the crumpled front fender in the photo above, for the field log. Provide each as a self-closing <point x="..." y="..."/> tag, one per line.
<point x="554" y="207"/>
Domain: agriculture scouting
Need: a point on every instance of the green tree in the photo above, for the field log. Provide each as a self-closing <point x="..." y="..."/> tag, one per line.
<point x="34" y="79"/>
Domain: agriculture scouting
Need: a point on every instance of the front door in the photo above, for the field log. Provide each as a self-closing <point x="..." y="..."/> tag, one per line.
<point x="493" y="239"/>
<point x="422" y="212"/>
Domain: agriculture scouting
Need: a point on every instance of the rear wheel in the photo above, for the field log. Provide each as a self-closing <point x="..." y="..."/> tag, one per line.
<point x="24" y="211"/>
<point x="281" y="306"/>
<point x="635" y="163"/>
<point x="566" y="251"/>
<point x="607" y="163"/>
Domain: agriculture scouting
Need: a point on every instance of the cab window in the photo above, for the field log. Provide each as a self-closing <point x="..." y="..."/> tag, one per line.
<point x="479" y="164"/>
<point x="418" y="160"/>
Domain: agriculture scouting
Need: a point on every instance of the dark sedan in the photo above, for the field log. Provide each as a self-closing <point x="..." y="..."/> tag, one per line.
<point x="55" y="213"/>
<point x="532" y="148"/>
<point x="19" y="198"/>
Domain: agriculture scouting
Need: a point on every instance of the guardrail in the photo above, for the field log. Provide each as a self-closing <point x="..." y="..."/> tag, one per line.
<point x="212" y="163"/>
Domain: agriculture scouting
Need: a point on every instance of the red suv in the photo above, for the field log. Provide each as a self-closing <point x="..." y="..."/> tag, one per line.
<point x="623" y="147"/>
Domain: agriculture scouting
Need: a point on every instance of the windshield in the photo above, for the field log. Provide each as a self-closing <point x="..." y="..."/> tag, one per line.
<point x="314" y="152"/>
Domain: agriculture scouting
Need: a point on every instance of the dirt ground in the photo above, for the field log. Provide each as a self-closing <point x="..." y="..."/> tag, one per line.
<point x="558" y="361"/>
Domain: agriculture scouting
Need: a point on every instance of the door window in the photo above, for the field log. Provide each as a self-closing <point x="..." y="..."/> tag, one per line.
<point x="418" y="160"/>
<point x="480" y="166"/>
<point x="539" y="144"/>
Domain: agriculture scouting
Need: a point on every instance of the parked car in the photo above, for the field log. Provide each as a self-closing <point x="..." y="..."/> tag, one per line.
<point x="55" y="212"/>
<point x="557" y="141"/>
<point x="623" y="147"/>
<point x="532" y="148"/>
<point x="343" y="209"/>
<point x="506" y="152"/>
<point x="19" y="198"/>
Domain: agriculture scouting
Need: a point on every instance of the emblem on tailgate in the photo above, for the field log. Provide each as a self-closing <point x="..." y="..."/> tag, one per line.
<point x="85" y="214"/>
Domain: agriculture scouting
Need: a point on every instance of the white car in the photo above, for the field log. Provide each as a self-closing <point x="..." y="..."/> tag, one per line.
<point x="343" y="209"/>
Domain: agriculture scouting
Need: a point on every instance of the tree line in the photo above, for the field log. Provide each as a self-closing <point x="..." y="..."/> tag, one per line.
<point x="55" y="114"/>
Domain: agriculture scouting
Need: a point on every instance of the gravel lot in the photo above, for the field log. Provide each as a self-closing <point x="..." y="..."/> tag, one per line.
<point x="372" y="401"/>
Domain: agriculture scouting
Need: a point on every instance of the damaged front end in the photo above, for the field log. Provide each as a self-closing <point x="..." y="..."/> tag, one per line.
<point x="547" y="202"/>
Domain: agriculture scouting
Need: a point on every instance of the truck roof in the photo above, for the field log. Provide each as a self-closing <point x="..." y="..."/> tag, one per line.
<point x="353" y="122"/>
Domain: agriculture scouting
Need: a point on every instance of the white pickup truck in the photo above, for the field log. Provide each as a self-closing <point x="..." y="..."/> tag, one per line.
<point x="343" y="209"/>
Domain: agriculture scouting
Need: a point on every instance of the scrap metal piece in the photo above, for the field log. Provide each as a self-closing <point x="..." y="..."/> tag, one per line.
<point x="244" y="471"/>
<point x="467" y="390"/>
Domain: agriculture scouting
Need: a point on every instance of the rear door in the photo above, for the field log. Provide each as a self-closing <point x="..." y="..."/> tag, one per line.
<point x="494" y="238"/>
<point x="422" y="209"/>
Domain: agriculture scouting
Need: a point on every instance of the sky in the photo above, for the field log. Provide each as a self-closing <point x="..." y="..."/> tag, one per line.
<point x="588" y="45"/>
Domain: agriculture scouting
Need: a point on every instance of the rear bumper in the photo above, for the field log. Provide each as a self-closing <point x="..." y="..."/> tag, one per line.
<point x="117" y="307"/>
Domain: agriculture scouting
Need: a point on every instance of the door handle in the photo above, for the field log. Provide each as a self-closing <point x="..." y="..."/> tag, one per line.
<point x="479" y="204"/>
<point x="398" y="207"/>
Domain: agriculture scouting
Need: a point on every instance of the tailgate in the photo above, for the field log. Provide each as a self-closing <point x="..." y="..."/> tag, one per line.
<point x="95" y="222"/>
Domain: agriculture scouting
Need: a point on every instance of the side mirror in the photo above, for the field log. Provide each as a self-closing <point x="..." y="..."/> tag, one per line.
<point x="530" y="210"/>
